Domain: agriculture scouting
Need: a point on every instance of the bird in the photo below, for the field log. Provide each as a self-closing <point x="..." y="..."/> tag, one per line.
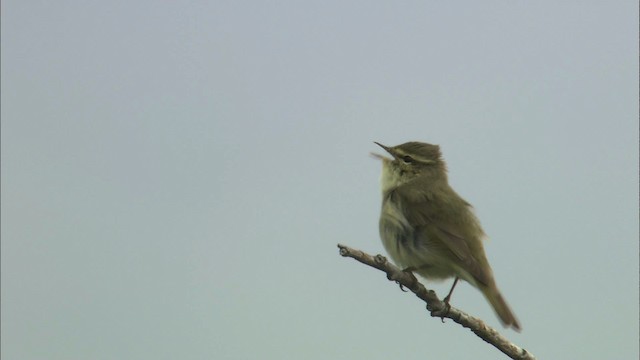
<point x="428" y="229"/>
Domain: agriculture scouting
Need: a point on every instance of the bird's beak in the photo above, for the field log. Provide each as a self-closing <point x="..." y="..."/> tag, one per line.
<point x="386" y="148"/>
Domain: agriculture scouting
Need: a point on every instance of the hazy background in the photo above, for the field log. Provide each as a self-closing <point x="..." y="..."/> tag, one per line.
<point x="176" y="175"/>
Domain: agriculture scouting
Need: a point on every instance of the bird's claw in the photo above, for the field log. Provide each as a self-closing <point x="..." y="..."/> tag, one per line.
<point x="446" y="309"/>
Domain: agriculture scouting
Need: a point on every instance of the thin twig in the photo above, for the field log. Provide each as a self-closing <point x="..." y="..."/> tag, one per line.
<point x="437" y="307"/>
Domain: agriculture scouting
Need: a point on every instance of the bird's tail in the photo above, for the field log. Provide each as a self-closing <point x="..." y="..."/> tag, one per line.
<point x="493" y="295"/>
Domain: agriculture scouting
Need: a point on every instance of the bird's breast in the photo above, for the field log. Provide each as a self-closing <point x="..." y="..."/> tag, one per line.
<point x="395" y="232"/>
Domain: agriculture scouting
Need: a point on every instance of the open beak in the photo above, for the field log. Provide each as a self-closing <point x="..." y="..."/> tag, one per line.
<point x="386" y="148"/>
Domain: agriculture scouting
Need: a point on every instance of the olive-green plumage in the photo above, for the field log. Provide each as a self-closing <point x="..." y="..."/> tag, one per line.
<point x="427" y="227"/>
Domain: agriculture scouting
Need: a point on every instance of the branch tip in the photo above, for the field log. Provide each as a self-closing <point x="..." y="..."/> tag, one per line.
<point x="344" y="251"/>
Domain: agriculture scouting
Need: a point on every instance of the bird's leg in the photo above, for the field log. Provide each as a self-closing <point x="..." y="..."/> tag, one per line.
<point x="448" y="297"/>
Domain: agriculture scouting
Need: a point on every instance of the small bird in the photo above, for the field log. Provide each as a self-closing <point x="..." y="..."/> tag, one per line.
<point x="427" y="228"/>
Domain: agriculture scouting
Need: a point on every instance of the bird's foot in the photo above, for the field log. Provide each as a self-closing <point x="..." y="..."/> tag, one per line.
<point x="409" y="271"/>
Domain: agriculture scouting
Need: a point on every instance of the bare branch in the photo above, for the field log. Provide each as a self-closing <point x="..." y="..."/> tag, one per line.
<point x="437" y="307"/>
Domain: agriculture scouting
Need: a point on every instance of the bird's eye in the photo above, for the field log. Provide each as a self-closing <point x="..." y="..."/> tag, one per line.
<point x="407" y="159"/>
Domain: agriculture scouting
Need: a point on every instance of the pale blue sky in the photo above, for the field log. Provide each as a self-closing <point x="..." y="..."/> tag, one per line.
<point x="176" y="175"/>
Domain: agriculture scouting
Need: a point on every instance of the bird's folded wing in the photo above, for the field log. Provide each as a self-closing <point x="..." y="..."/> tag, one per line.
<point x="439" y="222"/>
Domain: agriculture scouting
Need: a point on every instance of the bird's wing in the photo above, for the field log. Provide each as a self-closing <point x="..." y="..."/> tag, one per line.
<point x="442" y="222"/>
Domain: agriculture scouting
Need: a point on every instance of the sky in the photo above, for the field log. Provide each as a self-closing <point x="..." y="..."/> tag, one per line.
<point x="176" y="175"/>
